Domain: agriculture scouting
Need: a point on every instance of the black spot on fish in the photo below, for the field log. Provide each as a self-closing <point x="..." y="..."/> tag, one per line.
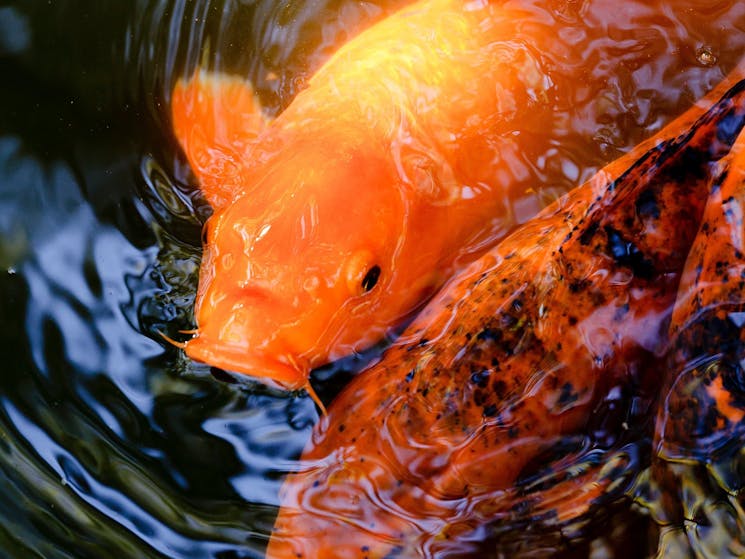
<point x="567" y="394"/>
<point x="646" y="205"/>
<point x="579" y="285"/>
<point x="692" y="164"/>
<point x="720" y="180"/>
<point x="490" y="334"/>
<point x="480" y="378"/>
<point x="598" y="298"/>
<point x="630" y="174"/>
<point x="490" y="410"/>
<point x="500" y="389"/>
<point x="627" y="254"/>
<point x="588" y="234"/>
<point x="410" y="375"/>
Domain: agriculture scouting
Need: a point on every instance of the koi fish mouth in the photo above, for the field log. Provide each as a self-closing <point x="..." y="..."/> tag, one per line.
<point x="288" y="372"/>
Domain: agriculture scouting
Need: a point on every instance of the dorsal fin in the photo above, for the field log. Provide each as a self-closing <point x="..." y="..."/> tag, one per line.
<point x="216" y="117"/>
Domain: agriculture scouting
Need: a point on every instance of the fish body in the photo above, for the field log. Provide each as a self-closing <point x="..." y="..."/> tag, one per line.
<point x="508" y="361"/>
<point x="410" y="153"/>
<point x="323" y="236"/>
<point x="704" y="406"/>
<point x="700" y="428"/>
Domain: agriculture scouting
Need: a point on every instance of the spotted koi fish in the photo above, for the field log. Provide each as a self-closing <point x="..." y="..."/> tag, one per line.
<point x="701" y="419"/>
<point x="512" y="357"/>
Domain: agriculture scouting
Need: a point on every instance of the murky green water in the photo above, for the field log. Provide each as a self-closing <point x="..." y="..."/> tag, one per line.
<point x="110" y="441"/>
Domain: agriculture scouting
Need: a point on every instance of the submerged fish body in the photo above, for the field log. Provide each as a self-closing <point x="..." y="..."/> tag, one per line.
<point x="705" y="407"/>
<point x="700" y="428"/>
<point x="508" y="360"/>
<point x="404" y="159"/>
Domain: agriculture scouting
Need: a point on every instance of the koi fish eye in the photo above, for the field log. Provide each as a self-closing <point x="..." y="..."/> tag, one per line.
<point x="362" y="273"/>
<point x="371" y="278"/>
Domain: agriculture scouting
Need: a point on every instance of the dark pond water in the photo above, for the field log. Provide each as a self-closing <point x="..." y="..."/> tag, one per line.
<point x="110" y="441"/>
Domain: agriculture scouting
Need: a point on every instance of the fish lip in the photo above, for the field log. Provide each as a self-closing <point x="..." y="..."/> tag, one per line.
<point x="287" y="372"/>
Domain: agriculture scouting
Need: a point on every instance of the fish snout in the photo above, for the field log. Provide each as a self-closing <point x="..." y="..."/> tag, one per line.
<point x="286" y="371"/>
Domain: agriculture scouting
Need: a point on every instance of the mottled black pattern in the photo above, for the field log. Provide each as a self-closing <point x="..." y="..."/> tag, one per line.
<point x="647" y="206"/>
<point x="680" y="166"/>
<point x="627" y="231"/>
<point x="715" y="348"/>
<point x="626" y="253"/>
<point x="701" y="425"/>
<point x="709" y="346"/>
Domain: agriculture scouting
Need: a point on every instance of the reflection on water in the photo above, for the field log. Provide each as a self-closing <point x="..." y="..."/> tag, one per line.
<point x="105" y="444"/>
<point x="111" y="442"/>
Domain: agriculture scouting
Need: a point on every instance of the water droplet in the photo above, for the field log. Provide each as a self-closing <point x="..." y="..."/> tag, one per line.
<point x="706" y="57"/>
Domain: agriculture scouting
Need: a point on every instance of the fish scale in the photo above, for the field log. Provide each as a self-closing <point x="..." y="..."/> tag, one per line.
<point x="509" y="360"/>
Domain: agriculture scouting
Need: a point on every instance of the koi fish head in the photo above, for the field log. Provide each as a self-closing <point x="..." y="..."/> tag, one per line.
<point x="306" y="266"/>
<point x="321" y="240"/>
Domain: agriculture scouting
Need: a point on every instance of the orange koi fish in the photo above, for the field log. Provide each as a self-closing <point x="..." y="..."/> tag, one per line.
<point x="336" y="220"/>
<point x="508" y="360"/>
<point x="404" y="159"/>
